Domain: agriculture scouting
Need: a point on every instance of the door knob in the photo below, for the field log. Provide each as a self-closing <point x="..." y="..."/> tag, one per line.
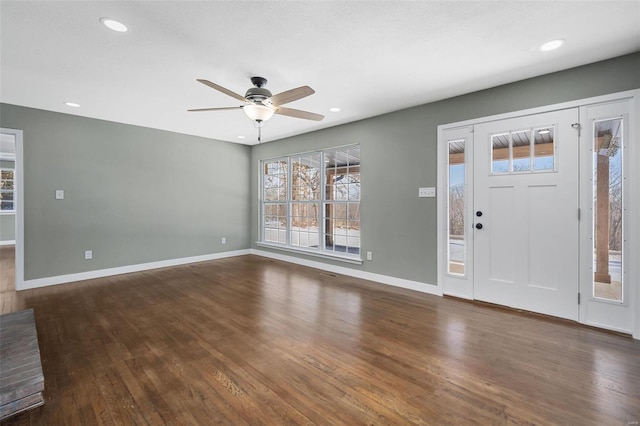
<point x="478" y="226"/>
<point x="478" y="213"/>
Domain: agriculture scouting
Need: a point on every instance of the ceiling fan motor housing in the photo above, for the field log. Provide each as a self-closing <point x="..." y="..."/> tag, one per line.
<point x="258" y="93"/>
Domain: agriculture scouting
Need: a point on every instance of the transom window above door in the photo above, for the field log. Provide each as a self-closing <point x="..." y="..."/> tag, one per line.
<point x="524" y="151"/>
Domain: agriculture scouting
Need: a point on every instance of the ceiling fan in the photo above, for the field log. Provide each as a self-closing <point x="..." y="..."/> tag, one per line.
<point x="260" y="104"/>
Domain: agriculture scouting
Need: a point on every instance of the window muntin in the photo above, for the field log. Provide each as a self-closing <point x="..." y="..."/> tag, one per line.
<point x="7" y="190"/>
<point x="311" y="201"/>
<point x="524" y="151"/>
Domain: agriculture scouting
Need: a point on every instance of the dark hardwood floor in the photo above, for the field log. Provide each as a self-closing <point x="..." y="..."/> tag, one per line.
<point x="249" y="340"/>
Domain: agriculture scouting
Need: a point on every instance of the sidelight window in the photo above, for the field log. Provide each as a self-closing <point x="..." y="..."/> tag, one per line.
<point x="608" y="209"/>
<point x="456" y="207"/>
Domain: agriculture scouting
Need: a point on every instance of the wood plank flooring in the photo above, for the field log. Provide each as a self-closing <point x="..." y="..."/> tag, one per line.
<point x="249" y="340"/>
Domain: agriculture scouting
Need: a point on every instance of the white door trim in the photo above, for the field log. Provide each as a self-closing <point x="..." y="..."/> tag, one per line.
<point x="633" y="203"/>
<point x="19" y="194"/>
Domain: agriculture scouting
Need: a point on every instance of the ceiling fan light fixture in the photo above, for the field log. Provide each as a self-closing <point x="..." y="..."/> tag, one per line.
<point x="258" y="112"/>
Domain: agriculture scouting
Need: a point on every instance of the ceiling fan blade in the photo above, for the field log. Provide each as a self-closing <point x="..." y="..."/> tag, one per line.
<point x="290" y="112"/>
<point x="213" y="109"/>
<point x="222" y="89"/>
<point x="291" y="95"/>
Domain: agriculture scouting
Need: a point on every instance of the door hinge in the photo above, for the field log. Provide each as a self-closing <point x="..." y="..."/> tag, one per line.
<point x="577" y="126"/>
<point x="578" y="298"/>
<point x="578" y="214"/>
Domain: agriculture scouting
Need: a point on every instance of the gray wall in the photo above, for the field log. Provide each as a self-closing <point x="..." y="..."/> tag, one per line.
<point x="132" y="194"/>
<point x="135" y="195"/>
<point x="399" y="155"/>
<point x="7" y="220"/>
<point x="7" y="227"/>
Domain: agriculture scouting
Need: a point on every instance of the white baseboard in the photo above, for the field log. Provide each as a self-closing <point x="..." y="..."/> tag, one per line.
<point x="383" y="279"/>
<point x="100" y="273"/>
<point x="8" y="243"/>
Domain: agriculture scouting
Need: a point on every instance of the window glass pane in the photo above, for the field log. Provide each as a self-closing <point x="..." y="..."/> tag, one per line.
<point x="304" y="224"/>
<point x="521" y="149"/>
<point x="544" y="149"/>
<point x="274" y="222"/>
<point x="607" y="208"/>
<point x="456" y="207"/>
<point x="500" y="153"/>
<point x="305" y="182"/>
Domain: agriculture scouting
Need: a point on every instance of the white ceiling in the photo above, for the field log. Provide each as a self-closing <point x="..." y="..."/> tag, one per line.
<point x="366" y="57"/>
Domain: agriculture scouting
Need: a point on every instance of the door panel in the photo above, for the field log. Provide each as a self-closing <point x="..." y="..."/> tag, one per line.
<point x="526" y="186"/>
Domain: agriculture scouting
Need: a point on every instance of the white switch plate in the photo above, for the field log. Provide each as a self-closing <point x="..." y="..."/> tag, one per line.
<point x="369" y="255"/>
<point x="59" y="194"/>
<point x="88" y="254"/>
<point x="426" y="192"/>
<point x="223" y="240"/>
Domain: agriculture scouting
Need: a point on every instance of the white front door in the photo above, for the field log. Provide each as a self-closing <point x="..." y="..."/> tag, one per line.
<point x="525" y="212"/>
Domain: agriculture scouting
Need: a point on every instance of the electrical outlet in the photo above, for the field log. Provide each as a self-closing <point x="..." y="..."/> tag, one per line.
<point x="88" y="254"/>
<point x="223" y="240"/>
<point x="59" y="194"/>
<point x="369" y="255"/>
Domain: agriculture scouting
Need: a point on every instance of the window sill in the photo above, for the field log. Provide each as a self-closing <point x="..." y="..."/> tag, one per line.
<point x="7" y="212"/>
<point x="340" y="258"/>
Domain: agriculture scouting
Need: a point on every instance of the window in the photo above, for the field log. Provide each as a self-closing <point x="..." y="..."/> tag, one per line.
<point x="311" y="201"/>
<point x="7" y="190"/>
<point x="456" y="207"/>
<point x="527" y="150"/>
<point x="607" y="207"/>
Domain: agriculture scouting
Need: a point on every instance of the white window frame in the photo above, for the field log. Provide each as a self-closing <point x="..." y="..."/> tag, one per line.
<point x="321" y="250"/>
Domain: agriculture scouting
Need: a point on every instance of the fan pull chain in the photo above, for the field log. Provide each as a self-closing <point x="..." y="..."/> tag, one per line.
<point x="259" y="134"/>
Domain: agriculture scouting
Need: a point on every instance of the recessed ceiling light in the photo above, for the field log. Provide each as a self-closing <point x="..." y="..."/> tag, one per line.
<point x="72" y="104"/>
<point x="334" y="109"/>
<point x="114" y="25"/>
<point x="240" y="137"/>
<point x="552" y="45"/>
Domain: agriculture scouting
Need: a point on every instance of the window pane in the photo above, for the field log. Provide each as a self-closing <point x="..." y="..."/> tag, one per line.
<point x="544" y="149"/>
<point x="456" y="207"/>
<point x="275" y="223"/>
<point x="304" y="224"/>
<point x="500" y="153"/>
<point x="521" y="149"/>
<point x="607" y="207"/>
<point x="6" y="205"/>
<point x="305" y="183"/>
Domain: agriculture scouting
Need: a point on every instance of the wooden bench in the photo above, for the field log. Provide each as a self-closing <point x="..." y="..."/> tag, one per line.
<point x="21" y="378"/>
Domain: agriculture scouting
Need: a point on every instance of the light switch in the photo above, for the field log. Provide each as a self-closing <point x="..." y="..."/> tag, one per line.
<point x="59" y="194"/>
<point x="426" y="192"/>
